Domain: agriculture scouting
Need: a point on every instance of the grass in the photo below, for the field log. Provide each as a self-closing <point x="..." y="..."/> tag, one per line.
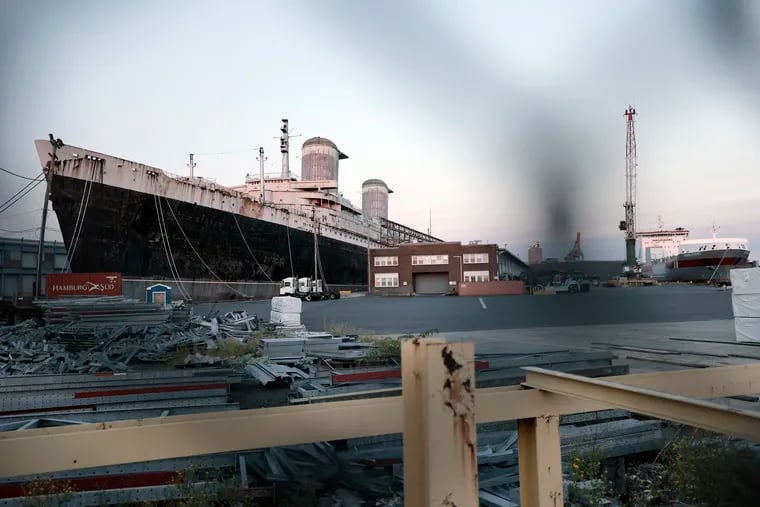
<point x="708" y="469"/>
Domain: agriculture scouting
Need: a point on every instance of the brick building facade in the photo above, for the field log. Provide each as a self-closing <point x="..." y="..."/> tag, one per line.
<point x="430" y="268"/>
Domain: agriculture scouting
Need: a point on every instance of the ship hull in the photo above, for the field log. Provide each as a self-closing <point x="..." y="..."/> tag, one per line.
<point x="710" y="266"/>
<point x="121" y="232"/>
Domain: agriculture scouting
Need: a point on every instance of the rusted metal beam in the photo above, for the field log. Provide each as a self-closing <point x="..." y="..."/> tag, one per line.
<point x="662" y="405"/>
<point x="440" y="449"/>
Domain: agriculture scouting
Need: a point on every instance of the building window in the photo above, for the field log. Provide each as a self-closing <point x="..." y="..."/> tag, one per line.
<point x="429" y="260"/>
<point x="475" y="258"/>
<point x="386" y="279"/>
<point x="29" y="260"/>
<point x="59" y="261"/>
<point x="386" y="261"/>
<point x="476" y="276"/>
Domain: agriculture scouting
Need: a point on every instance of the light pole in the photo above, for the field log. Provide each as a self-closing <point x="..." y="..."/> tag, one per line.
<point x="48" y="169"/>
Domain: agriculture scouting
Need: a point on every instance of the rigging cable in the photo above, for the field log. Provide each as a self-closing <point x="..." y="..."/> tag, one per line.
<point x="249" y="248"/>
<point x="167" y="247"/>
<point x="199" y="255"/>
<point x="79" y="221"/>
<point x="18" y="175"/>
<point x="290" y="253"/>
<point x="20" y="194"/>
<point x="321" y="269"/>
<point x="33" y="229"/>
<point x="718" y="266"/>
<point x="226" y="152"/>
<point x="184" y="291"/>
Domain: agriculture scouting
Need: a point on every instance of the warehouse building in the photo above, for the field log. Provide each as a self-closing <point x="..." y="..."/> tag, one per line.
<point x="511" y="267"/>
<point x="430" y="268"/>
<point x="18" y="265"/>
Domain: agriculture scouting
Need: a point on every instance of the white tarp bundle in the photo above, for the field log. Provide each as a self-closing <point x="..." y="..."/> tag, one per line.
<point x="286" y="311"/>
<point x="745" y="299"/>
<point x="289" y="319"/>
<point x="745" y="281"/>
<point x="746" y="305"/>
<point x="286" y="304"/>
<point x="747" y="329"/>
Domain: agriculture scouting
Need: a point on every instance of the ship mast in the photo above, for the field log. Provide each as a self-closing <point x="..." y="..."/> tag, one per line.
<point x="285" y="149"/>
<point x="261" y="160"/>
<point x="191" y="165"/>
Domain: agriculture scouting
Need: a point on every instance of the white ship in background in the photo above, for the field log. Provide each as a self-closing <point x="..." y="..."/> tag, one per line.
<point x="670" y="255"/>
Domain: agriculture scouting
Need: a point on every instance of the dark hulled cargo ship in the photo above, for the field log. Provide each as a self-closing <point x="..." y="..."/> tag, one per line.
<point x="123" y="216"/>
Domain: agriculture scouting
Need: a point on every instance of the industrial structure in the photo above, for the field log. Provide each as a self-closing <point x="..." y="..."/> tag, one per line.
<point x="629" y="224"/>
<point x="575" y="254"/>
<point x="511" y="267"/>
<point x="535" y="254"/>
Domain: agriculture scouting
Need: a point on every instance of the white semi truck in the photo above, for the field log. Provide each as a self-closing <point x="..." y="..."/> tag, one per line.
<point x="306" y="289"/>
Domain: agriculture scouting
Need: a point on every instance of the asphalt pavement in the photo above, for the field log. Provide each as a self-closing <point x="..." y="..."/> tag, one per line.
<point x="375" y="314"/>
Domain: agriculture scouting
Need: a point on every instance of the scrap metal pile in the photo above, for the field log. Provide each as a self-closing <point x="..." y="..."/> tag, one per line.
<point x="88" y="335"/>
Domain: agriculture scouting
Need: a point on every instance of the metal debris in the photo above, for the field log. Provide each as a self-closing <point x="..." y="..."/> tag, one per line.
<point x="83" y="335"/>
<point x="271" y="372"/>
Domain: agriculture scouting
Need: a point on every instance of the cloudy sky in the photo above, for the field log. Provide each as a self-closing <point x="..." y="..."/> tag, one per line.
<point x="502" y="118"/>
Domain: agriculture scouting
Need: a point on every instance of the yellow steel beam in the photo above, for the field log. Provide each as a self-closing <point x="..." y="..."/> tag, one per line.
<point x="662" y="405"/>
<point x="540" y="462"/>
<point x="87" y="445"/>
<point x="414" y="386"/>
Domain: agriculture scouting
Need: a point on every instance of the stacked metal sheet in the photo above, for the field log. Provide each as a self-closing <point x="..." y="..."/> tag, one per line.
<point x="320" y="346"/>
<point x="104" y="311"/>
<point x="99" y="397"/>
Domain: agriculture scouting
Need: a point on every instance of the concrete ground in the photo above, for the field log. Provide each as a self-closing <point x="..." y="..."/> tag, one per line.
<point x="601" y="306"/>
<point x="648" y="328"/>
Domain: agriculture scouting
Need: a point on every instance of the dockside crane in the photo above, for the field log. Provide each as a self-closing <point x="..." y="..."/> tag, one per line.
<point x="576" y="254"/>
<point x="629" y="224"/>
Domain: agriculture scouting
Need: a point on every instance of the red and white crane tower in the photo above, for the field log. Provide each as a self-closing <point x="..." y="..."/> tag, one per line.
<point x="629" y="224"/>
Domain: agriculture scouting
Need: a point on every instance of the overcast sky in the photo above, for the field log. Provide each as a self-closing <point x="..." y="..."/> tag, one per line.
<point x="503" y="118"/>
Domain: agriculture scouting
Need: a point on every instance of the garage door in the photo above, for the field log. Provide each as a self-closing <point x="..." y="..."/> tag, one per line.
<point x="431" y="283"/>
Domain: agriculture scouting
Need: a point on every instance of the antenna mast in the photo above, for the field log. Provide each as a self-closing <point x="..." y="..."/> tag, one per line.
<point x="629" y="224"/>
<point x="285" y="148"/>
<point x="191" y="165"/>
<point x="261" y="170"/>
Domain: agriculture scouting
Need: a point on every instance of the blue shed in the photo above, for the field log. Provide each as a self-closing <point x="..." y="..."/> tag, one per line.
<point x="159" y="294"/>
